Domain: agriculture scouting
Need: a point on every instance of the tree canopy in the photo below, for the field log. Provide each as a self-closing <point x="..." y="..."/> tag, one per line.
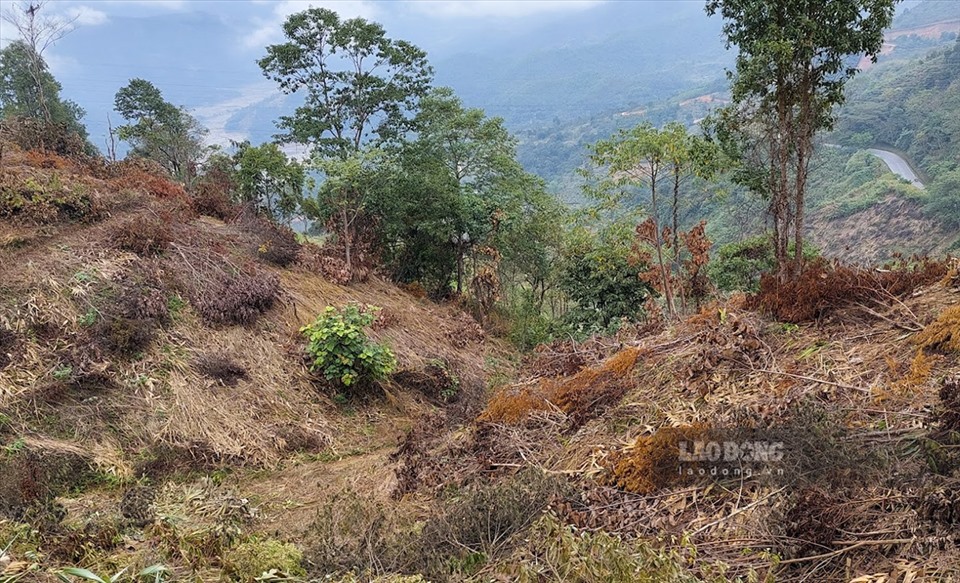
<point x="794" y="59"/>
<point x="22" y="95"/>
<point x="358" y="84"/>
<point x="159" y="130"/>
<point x="269" y="180"/>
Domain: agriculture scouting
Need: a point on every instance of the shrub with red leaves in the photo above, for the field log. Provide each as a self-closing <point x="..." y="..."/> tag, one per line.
<point x="211" y="196"/>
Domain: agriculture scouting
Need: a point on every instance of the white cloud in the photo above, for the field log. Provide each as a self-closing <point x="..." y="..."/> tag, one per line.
<point x="168" y="4"/>
<point x="270" y="29"/>
<point x="498" y="8"/>
<point x="86" y="16"/>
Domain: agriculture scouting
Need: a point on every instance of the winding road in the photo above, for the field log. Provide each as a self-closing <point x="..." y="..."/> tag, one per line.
<point x="897" y="165"/>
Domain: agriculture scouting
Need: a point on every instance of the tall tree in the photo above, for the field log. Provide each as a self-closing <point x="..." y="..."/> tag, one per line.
<point x="649" y="169"/>
<point x="634" y="159"/>
<point x="21" y="95"/>
<point x="159" y="130"/>
<point x="269" y="180"/>
<point x="358" y="83"/>
<point x="38" y="31"/>
<point x="478" y="156"/>
<point x="794" y="59"/>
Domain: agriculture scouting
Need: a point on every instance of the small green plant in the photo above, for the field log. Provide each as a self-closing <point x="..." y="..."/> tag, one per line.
<point x="88" y="319"/>
<point x="339" y="347"/>
<point x="63" y="373"/>
<point x="175" y="305"/>
<point x="154" y="573"/>
<point x="83" y="277"/>
<point x="15" y="447"/>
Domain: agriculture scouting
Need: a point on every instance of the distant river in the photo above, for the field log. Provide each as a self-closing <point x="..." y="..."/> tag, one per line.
<point x="897" y="165"/>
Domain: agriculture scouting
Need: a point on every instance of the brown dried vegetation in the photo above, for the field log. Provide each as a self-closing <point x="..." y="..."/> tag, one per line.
<point x="651" y="462"/>
<point x="144" y="236"/>
<point x="823" y="288"/>
<point x="943" y="334"/>
<point x="221" y="368"/>
<point x="582" y="396"/>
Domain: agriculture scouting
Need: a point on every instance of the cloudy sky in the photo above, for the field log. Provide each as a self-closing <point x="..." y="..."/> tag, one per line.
<point x="202" y="53"/>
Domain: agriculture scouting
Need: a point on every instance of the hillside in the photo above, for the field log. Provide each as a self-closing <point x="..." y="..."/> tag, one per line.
<point x="157" y="409"/>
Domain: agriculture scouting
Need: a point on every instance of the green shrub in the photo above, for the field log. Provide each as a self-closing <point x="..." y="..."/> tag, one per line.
<point x="339" y="347"/>
<point x="944" y="199"/>
<point x="561" y="553"/>
<point x="738" y="266"/>
<point x="250" y="560"/>
<point x="529" y="326"/>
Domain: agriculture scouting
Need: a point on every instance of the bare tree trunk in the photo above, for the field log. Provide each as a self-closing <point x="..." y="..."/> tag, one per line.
<point x="658" y="245"/>
<point x="111" y="143"/>
<point x="459" y="269"/>
<point x="780" y="195"/>
<point x="676" y="233"/>
<point x="347" y="241"/>
<point x="804" y="153"/>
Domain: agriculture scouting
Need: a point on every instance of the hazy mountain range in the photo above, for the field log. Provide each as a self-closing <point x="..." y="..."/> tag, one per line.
<point x="539" y="64"/>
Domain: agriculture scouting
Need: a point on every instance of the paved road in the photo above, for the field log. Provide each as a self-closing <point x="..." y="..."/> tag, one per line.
<point x="897" y="165"/>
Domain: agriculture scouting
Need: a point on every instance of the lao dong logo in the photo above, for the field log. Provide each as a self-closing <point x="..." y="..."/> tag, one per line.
<point x="731" y="451"/>
<point x="720" y="459"/>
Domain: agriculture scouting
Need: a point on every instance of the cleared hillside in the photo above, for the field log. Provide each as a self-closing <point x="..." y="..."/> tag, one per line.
<point x="157" y="409"/>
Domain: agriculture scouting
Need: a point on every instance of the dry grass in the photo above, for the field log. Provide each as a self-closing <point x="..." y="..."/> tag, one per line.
<point x="942" y="335"/>
<point x="581" y="397"/>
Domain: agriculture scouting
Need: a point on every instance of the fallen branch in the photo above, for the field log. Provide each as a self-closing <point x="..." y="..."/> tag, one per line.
<point x="814" y="380"/>
<point x="911" y="327"/>
<point x="864" y="543"/>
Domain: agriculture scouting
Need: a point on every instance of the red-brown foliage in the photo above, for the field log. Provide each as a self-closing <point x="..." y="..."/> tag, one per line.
<point x="211" y="196"/>
<point x="823" y="287"/>
<point x="323" y="260"/>
<point x="651" y="462"/>
<point x="582" y="397"/>
<point x="814" y="518"/>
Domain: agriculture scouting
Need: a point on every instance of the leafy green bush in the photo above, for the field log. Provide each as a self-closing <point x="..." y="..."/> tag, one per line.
<point x="944" y="201"/>
<point x="561" y="553"/>
<point x="340" y="349"/>
<point x="600" y="278"/>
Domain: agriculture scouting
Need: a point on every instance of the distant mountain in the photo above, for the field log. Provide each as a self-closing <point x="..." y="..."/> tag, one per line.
<point x="618" y="56"/>
<point x="927" y="12"/>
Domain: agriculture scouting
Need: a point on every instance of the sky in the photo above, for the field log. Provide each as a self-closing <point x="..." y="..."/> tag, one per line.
<point x="202" y="53"/>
